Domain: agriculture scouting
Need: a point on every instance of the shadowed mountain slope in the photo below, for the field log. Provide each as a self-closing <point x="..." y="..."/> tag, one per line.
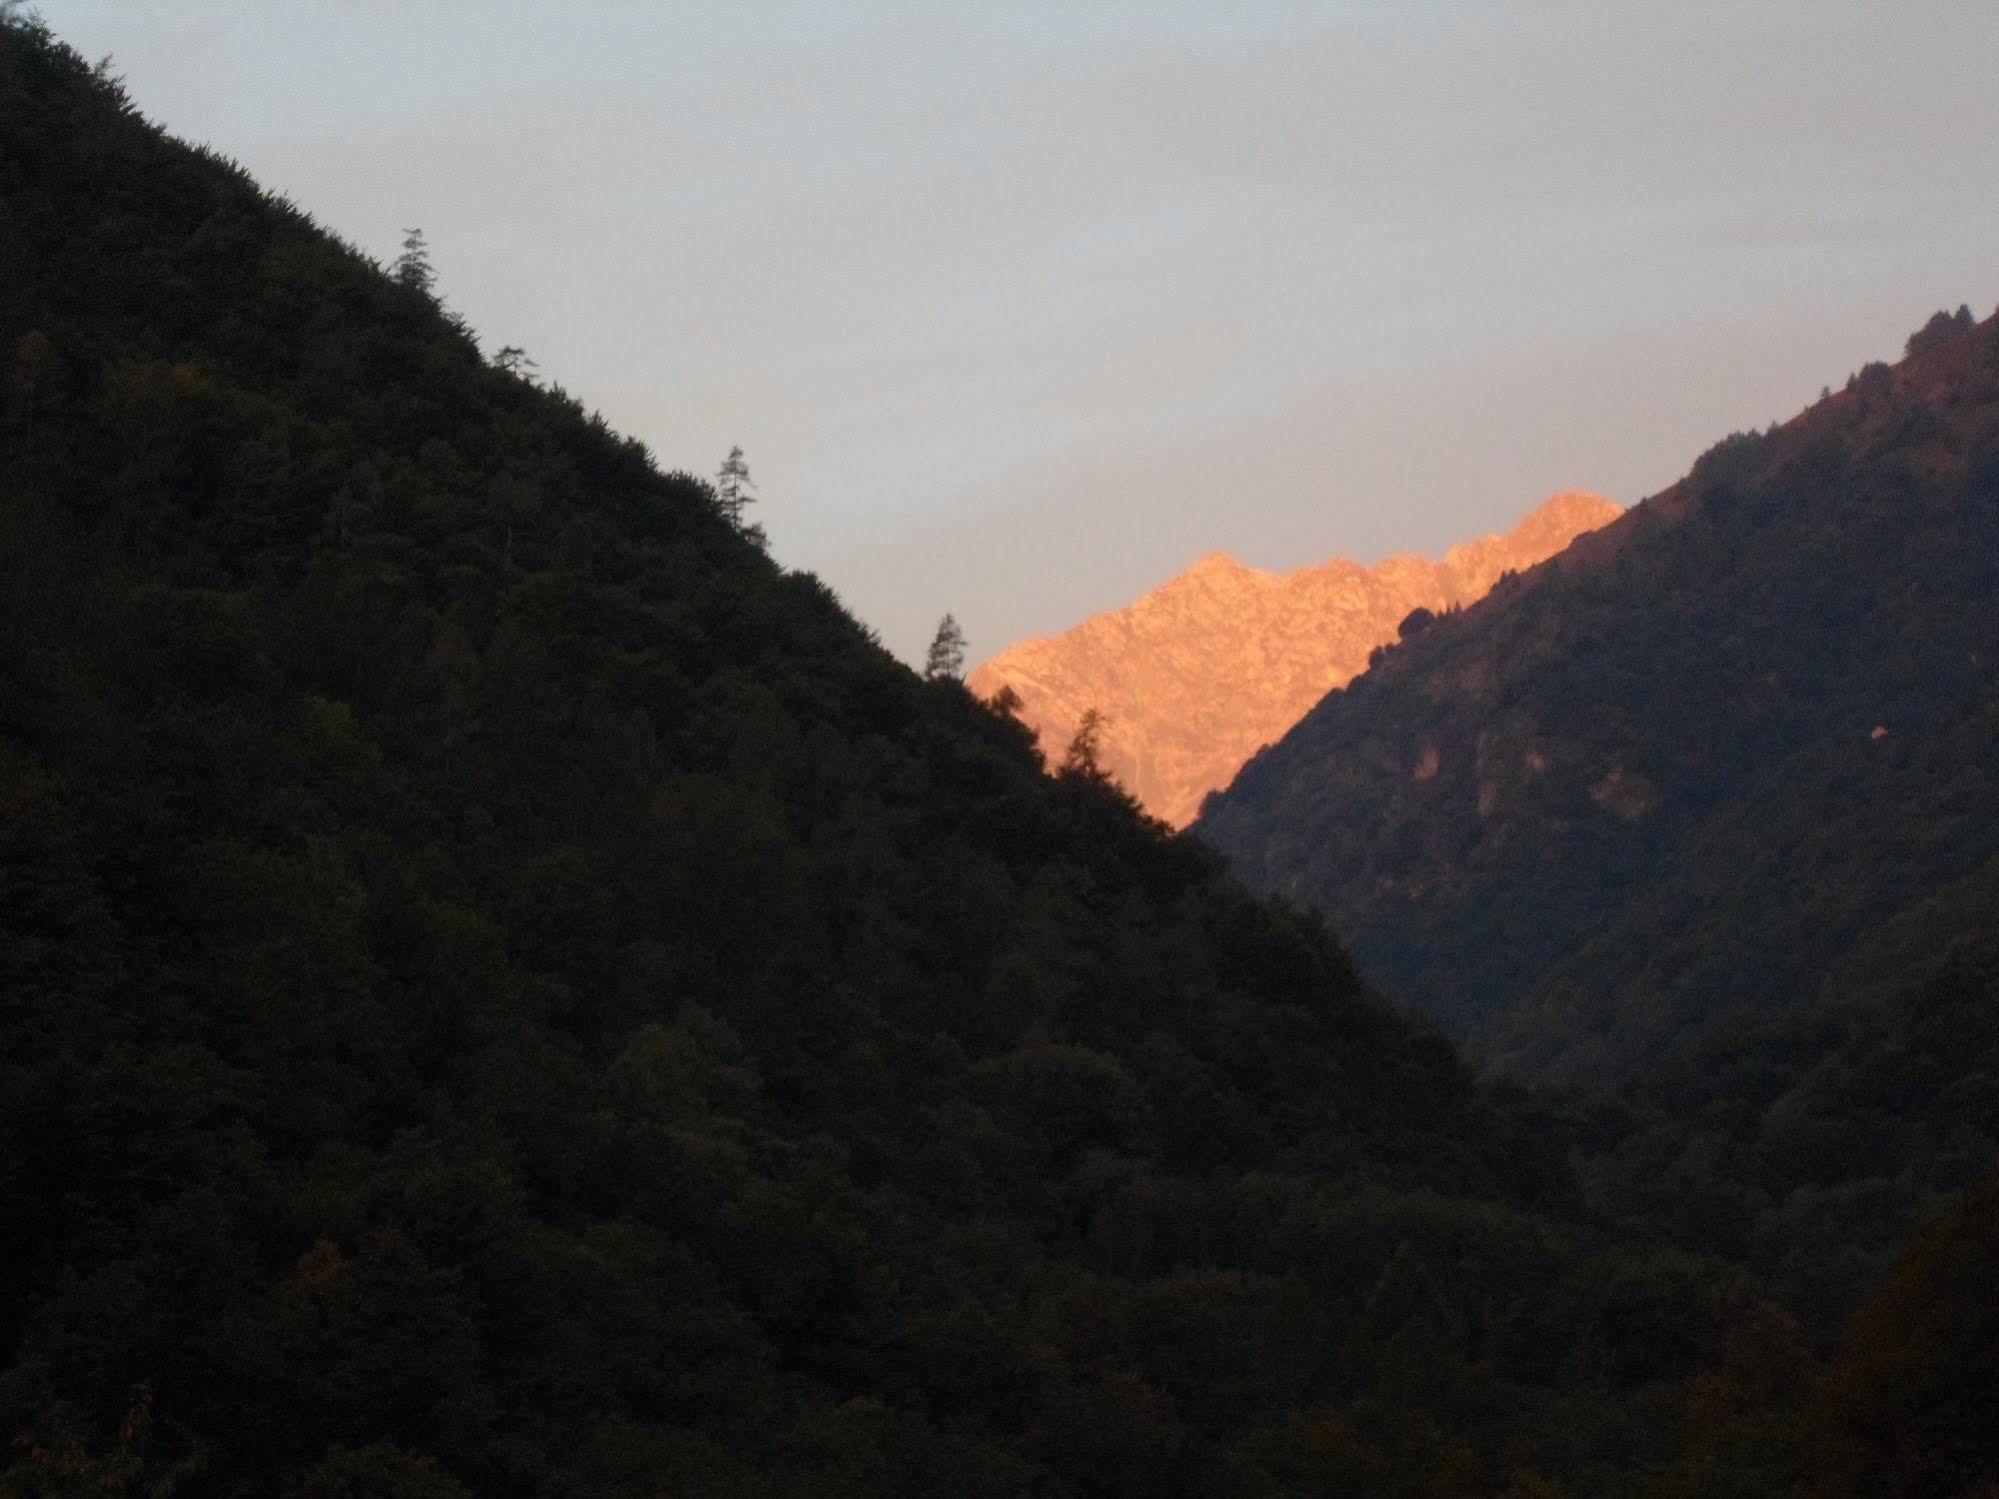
<point x="1653" y="793"/>
<point x="1196" y="676"/>
<point x="1699" y="822"/>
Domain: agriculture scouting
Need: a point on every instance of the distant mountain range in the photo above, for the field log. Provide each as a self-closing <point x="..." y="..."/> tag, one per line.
<point x="1196" y="676"/>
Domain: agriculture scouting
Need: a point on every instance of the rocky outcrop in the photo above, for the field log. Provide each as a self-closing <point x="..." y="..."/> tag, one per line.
<point x="1196" y="676"/>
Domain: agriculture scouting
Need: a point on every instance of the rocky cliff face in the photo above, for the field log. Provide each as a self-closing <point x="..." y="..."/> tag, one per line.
<point x="1196" y="676"/>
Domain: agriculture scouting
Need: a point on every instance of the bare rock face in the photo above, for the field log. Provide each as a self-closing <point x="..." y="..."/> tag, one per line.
<point x="1196" y="676"/>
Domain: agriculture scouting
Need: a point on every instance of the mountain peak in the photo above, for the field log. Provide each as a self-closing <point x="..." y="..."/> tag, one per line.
<point x="1197" y="675"/>
<point x="1568" y="507"/>
<point x="1542" y="531"/>
<point x="1217" y="562"/>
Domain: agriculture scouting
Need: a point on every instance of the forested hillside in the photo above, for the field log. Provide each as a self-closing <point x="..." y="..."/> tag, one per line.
<point x="1690" y="767"/>
<point x="1705" y="813"/>
<point x="508" y="992"/>
<point x="503" y="990"/>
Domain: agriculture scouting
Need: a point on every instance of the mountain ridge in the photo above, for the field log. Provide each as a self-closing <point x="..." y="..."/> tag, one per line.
<point x="1194" y="675"/>
<point x="1574" y="734"/>
<point x="1697" y="826"/>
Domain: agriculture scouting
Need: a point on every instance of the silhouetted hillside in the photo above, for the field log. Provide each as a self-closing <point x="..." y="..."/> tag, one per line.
<point x="505" y="991"/>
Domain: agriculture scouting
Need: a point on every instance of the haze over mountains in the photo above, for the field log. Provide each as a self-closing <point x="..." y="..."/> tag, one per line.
<point x="1194" y="677"/>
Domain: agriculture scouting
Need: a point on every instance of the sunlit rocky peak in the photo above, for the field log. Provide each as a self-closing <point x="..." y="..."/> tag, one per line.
<point x="1197" y="675"/>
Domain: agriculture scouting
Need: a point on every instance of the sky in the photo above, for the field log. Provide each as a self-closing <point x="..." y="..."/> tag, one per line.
<point x="1018" y="309"/>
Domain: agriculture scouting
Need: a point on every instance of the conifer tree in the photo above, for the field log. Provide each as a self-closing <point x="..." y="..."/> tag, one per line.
<point x="1083" y="757"/>
<point x="733" y="486"/>
<point x="514" y="360"/>
<point x="412" y="267"/>
<point x="947" y="652"/>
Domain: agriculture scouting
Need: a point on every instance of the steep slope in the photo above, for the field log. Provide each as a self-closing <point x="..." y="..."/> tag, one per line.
<point x="504" y="991"/>
<point x="1701" y="821"/>
<point x="1196" y="676"/>
<point x="1649" y="794"/>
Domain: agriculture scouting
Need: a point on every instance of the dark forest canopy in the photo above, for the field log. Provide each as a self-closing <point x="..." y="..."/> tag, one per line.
<point x="503" y="990"/>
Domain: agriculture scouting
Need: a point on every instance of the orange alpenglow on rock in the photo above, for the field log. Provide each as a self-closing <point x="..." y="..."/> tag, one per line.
<point x="1196" y="676"/>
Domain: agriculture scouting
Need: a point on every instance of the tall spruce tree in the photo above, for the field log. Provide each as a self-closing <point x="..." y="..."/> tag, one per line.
<point x="947" y="652"/>
<point x="732" y="487"/>
<point x="734" y="494"/>
<point x="413" y="268"/>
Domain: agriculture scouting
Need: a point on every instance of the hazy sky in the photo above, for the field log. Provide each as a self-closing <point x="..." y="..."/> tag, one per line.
<point x="1018" y="309"/>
